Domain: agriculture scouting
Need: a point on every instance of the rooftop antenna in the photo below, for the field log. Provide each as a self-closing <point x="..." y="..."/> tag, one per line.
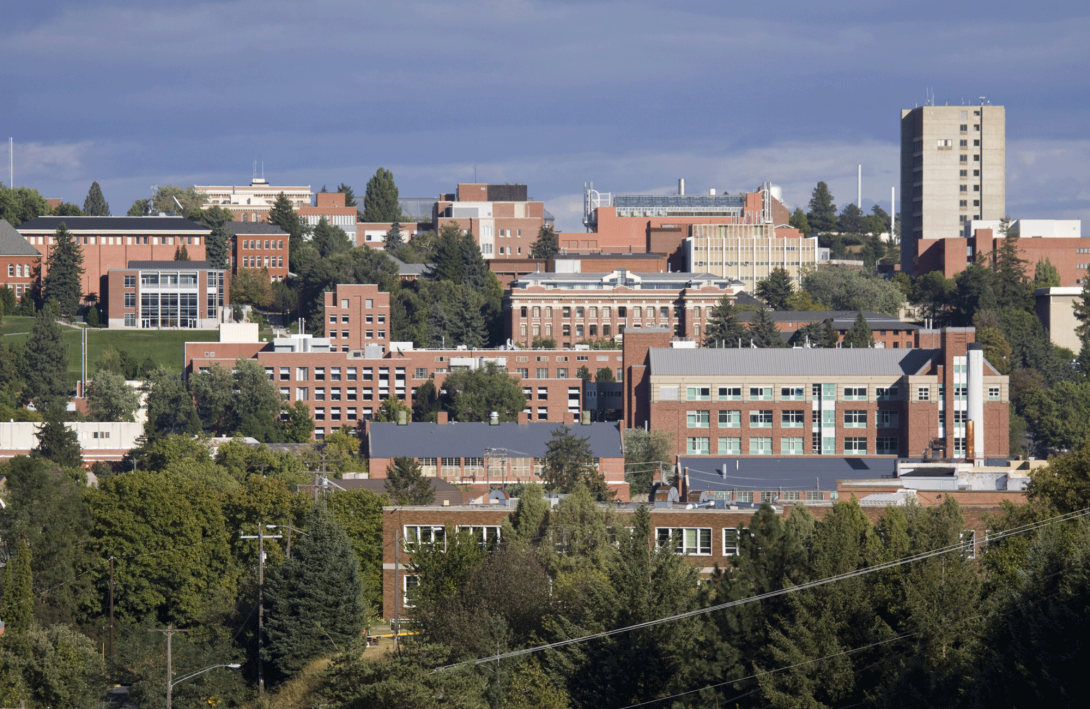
<point x="982" y="100"/>
<point x="262" y="169"/>
<point x="255" y="171"/>
<point x="11" y="163"/>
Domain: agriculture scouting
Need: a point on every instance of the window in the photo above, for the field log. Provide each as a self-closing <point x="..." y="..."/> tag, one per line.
<point x="791" y="446"/>
<point x="424" y="534"/>
<point x="130" y="281"/>
<point x="886" y="393"/>
<point x="730" y="446"/>
<point x="561" y="372"/>
<point x="761" y="418"/>
<point x="690" y="541"/>
<point x="302" y="394"/>
<point x="730" y="393"/>
<point x="730" y="542"/>
<point x="319" y="413"/>
<point x="855" y="418"/>
<point x="335" y="394"/>
<point x="698" y="394"/>
<point x="760" y="446"/>
<point x="698" y="419"/>
<point x="887" y="419"/>
<point x="130" y="319"/>
<point x="698" y="446"/>
<point x="993" y="393"/>
<point x="542" y="393"/>
<point x="794" y="418"/>
<point x="760" y="393"/>
<point x="319" y="374"/>
<point x="855" y="393"/>
<point x="302" y="374"/>
<point x="335" y="374"/>
<point x="450" y="466"/>
<point x="968" y="539"/>
<point x="792" y="393"/>
<point x="130" y="300"/>
<point x="923" y="393"/>
<point x="285" y="374"/>
<point x="856" y="445"/>
<point x="319" y="394"/>
<point x="487" y="536"/>
<point x="730" y="419"/>
<point x="885" y="446"/>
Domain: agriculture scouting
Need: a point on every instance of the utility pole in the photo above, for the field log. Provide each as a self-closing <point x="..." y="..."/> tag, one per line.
<point x="397" y="593"/>
<point x="111" y="608"/>
<point x="260" y="537"/>
<point x="169" y="632"/>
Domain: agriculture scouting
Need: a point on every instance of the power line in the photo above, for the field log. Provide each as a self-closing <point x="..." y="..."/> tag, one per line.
<point x="961" y="545"/>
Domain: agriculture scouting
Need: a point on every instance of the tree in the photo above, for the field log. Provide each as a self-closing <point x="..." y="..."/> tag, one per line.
<point x="543" y="343"/>
<point x="214" y="397"/>
<point x="724" y="329"/>
<point x="547" y="244"/>
<point x="763" y="331"/>
<point x="645" y="452"/>
<point x="584" y="374"/>
<point x="21" y="204"/>
<point x="47" y="380"/>
<point x="256" y="410"/>
<point x="1045" y="275"/>
<point x="315" y="598"/>
<point x="18" y="601"/>
<point x="776" y="290"/>
<point x="569" y="462"/>
<point x="859" y="335"/>
<point x="283" y="215"/>
<point x="394" y="239"/>
<point x="64" y="277"/>
<point x="426" y="403"/>
<point x="188" y="197"/>
<point x="448" y="263"/>
<point x="604" y="374"/>
<point x="390" y="409"/>
<point x="473" y="394"/>
<point x="1011" y="289"/>
<point x="217" y="247"/>
<point x="851" y="220"/>
<point x="252" y="286"/>
<point x="878" y="221"/>
<point x="846" y="289"/>
<point x="66" y="209"/>
<point x="800" y="222"/>
<point x="139" y="208"/>
<point x="170" y="406"/>
<point x="95" y="205"/>
<point x="57" y="442"/>
<point x="109" y="398"/>
<point x="360" y="513"/>
<point x="406" y="484"/>
<point x="934" y="292"/>
<point x="349" y="195"/>
<point x="1081" y="310"/>
<point x="822" y="214"/>
<point x="61" y="668"/>
<point x="380" y="203"/>
<point x="299" y="427"/>
<point x="330" y="240"/>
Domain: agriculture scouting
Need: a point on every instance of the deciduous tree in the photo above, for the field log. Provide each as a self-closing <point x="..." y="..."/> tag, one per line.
<point x="111" y="399"/>
<point x="473" y="394"/>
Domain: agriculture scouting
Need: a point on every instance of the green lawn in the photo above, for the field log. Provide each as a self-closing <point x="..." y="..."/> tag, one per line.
<point x="165" y="347"/>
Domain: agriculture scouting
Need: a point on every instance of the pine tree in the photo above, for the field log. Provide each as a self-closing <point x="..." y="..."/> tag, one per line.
<point x="95" y="205"/>
<point x="822" y="214"/>
<point x="57" y="442"/>
<point x="394" y="239"/>
<point x="380" y="203"/>
<point x="315" y="599"/>
<point x="406" y="484"/>
<point x="438" y="327"/>
<point x="723" y="329"/>
<point x="283" y="215"/>
<point x="64" y="275"/>
<point x="475" y="272"/>
<point x="851" y="220"/>
<point x="349" y="195"/>
<point x="17" y="608"/>
<point x="181" y="253"/>
<point x="468" y="326"/>
<point x="218" y="247"/>
<point x="859" y="336"/>
<point x="448" y="263"/>
<point x="1011" y="289"/>
<point x="763" y="331"/>
<point x="47" y="355"/>
<point x="1081" y="308"/>
<point x="547" y="244"/>
<point x="800" y="222"/>
<point x="776" y="289"/>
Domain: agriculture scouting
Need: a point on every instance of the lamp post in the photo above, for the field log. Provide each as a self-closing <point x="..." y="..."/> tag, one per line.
<point x="260" y="537"/>
<point x="290" y="530"/>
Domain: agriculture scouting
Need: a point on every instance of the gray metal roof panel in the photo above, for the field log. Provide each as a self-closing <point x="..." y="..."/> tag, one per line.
<point x="130" y="224"/>
<point x="789" y="473"/>
<point x="171" y="265"/>
<point x="788" y="362"/>
<point x="820" y="315"/>
<point x="12" y="243"/>
<point x="247" y="228"/>
<point x="453" y="440"/>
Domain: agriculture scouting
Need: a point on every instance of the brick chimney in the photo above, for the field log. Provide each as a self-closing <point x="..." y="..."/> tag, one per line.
<point x="442" y="417"/>
<point x="524" y="417"/>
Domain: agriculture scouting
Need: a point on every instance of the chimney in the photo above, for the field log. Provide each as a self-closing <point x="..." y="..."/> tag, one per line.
<point x="569" y="417"/>
<point x="402" y="418"/>
<point x="442" y="417"/>
<point x="494" y="419"/>
<point x="524" y="417"/>
<point x="586" y="418"/>
<point x="685" y="486"/>
<point x="681" y="186"/>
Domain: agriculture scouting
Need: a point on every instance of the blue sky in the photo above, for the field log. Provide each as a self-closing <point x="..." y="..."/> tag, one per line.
<point x="630" y="95"/>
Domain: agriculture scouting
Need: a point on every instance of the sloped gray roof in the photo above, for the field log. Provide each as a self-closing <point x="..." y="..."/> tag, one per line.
<point x="789" y="362"/>
<point x="459" y="440"/>
<point x="129" y="224"/>
<point x="790" y="473"/>
<point x="12" y="243"/>
<point x="819" y="315"/>
<point x="247" y="228"/>
<point x="409" y="269"/>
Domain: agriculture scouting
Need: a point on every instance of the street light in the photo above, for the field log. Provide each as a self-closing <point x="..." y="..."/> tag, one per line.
<point x="290" y="530"/>
<point x="171" y="685"/>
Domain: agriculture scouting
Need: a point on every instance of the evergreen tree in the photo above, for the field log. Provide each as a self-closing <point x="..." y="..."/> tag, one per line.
<point x="569" y="463"/>
<point x="57" y="442"/>
<point x="65" y="209"/>
<point x="394" y="239"/>
<point x="181" y="253"/>
<point x="817" y="334"/>
<point x="822" y="214"/>
<point x="467" y="321"/>
<point x="724" y="329"/>
<point x="447" y="264"/>
<point x="438" y="327"/>
<point x="218" y="247"/>
<point x="776" y="289"/>
<point x="1011" y="289"/>
<point x="315" y="598"/>
<point x="763" y="331"/>
<point x="851" y="220"/>
<point x="349" y="195"/>
<point x="95" y="205"/>
<point x="380" y="203"/>
<point x="17" y="608"/>
<point x="1045" y="275"/>
<point x="1081" y="309"/>
<point x="170" y="406"/>
<point x="547" y="244"/>
<point x="406" y="484"/>
<point x="426" y="403"/>
<point x="800" y="222"/>
<point x="859" y="335"/>
<point x="472" y="395"/>
<point x="256" y="406"/>
<point x="47" y="378"/>
<point x="64" y="277"/>
<point x="329" y="239"/>
<point x="475" y="272"/>
<point x="283" y="215"/>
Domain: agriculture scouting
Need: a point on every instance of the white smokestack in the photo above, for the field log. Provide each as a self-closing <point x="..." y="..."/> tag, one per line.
<point x="681" y="186"/>
<point x="975" y="403"/>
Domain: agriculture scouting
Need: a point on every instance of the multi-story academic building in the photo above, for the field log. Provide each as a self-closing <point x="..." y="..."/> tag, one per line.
<point x="259" y="245"/>
<point x="252" y="202"/>
<point x="503" y="219"/>
<point x="18" y="260"/>
<point x="160" y="295"/>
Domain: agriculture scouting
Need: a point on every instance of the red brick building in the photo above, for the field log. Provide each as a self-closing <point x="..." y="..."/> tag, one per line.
<point x="259" y="245"/>
<point x="508" y="270"/>
<point x="112" y="242"/>
<point x="819" y="402"/>
<point x="573" y="307"/>
<point x="158" y="295"/>
<point x="18" y="260"/>
<point x="503" y="219"/>
<point x="888" y="331"/>
<point x="331" y="207"/>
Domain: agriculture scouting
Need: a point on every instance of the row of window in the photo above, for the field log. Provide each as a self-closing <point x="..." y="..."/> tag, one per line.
<point x="367" y="318"/>
<point x="117" y="240"/>
<point x="790" y="445"/>
<point x="255" y="244"/>
<point x="791" y="418"/>
<point x="19" y="270"/>
<point x="302" y="374"/>
<point x="824" y="392"/>
<point x="259" y="262"/>
<point x="591" y="312"/>
<point x="367" y="334"/>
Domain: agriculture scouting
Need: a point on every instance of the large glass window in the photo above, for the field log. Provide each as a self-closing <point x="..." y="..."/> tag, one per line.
<point x="792" y="418"/>
<point x="730" y="393"/>
<point x="730" y="419"/>
<point x="698" y="446"/>
<point x="698" y="419"/>
<point x="761" y="418"/>
<point x="760" y="445"/>
<point x="855" y="445"/>
<point x="855" y="418"/>
<point x="730" y="446"/>
<point x="698" y="394"/>
<point x="690" y="541"/>
<point x="791" y="446"/>
<point x="791" y="393"/>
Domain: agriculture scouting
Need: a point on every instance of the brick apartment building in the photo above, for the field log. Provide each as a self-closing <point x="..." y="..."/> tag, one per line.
<point x="572" y="307"/>
<point x="819" y="402"/>
<point x="331" y="207"/>
<point x="482" y="455"/>
<point x="113" y="242"/>
<point x="158" y="295"/>
<point x="888" y="331"/>
<point x="259" y="245"/>
<point x="503" y="219"/>
<point x="346" y="375"/>
<point x="18" y="260"/>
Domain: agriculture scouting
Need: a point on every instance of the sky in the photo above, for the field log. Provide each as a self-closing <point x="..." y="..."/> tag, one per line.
<point x="629" y="95"/>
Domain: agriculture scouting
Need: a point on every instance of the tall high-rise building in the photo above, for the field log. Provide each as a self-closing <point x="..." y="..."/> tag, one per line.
<point x="953" y="167"/>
